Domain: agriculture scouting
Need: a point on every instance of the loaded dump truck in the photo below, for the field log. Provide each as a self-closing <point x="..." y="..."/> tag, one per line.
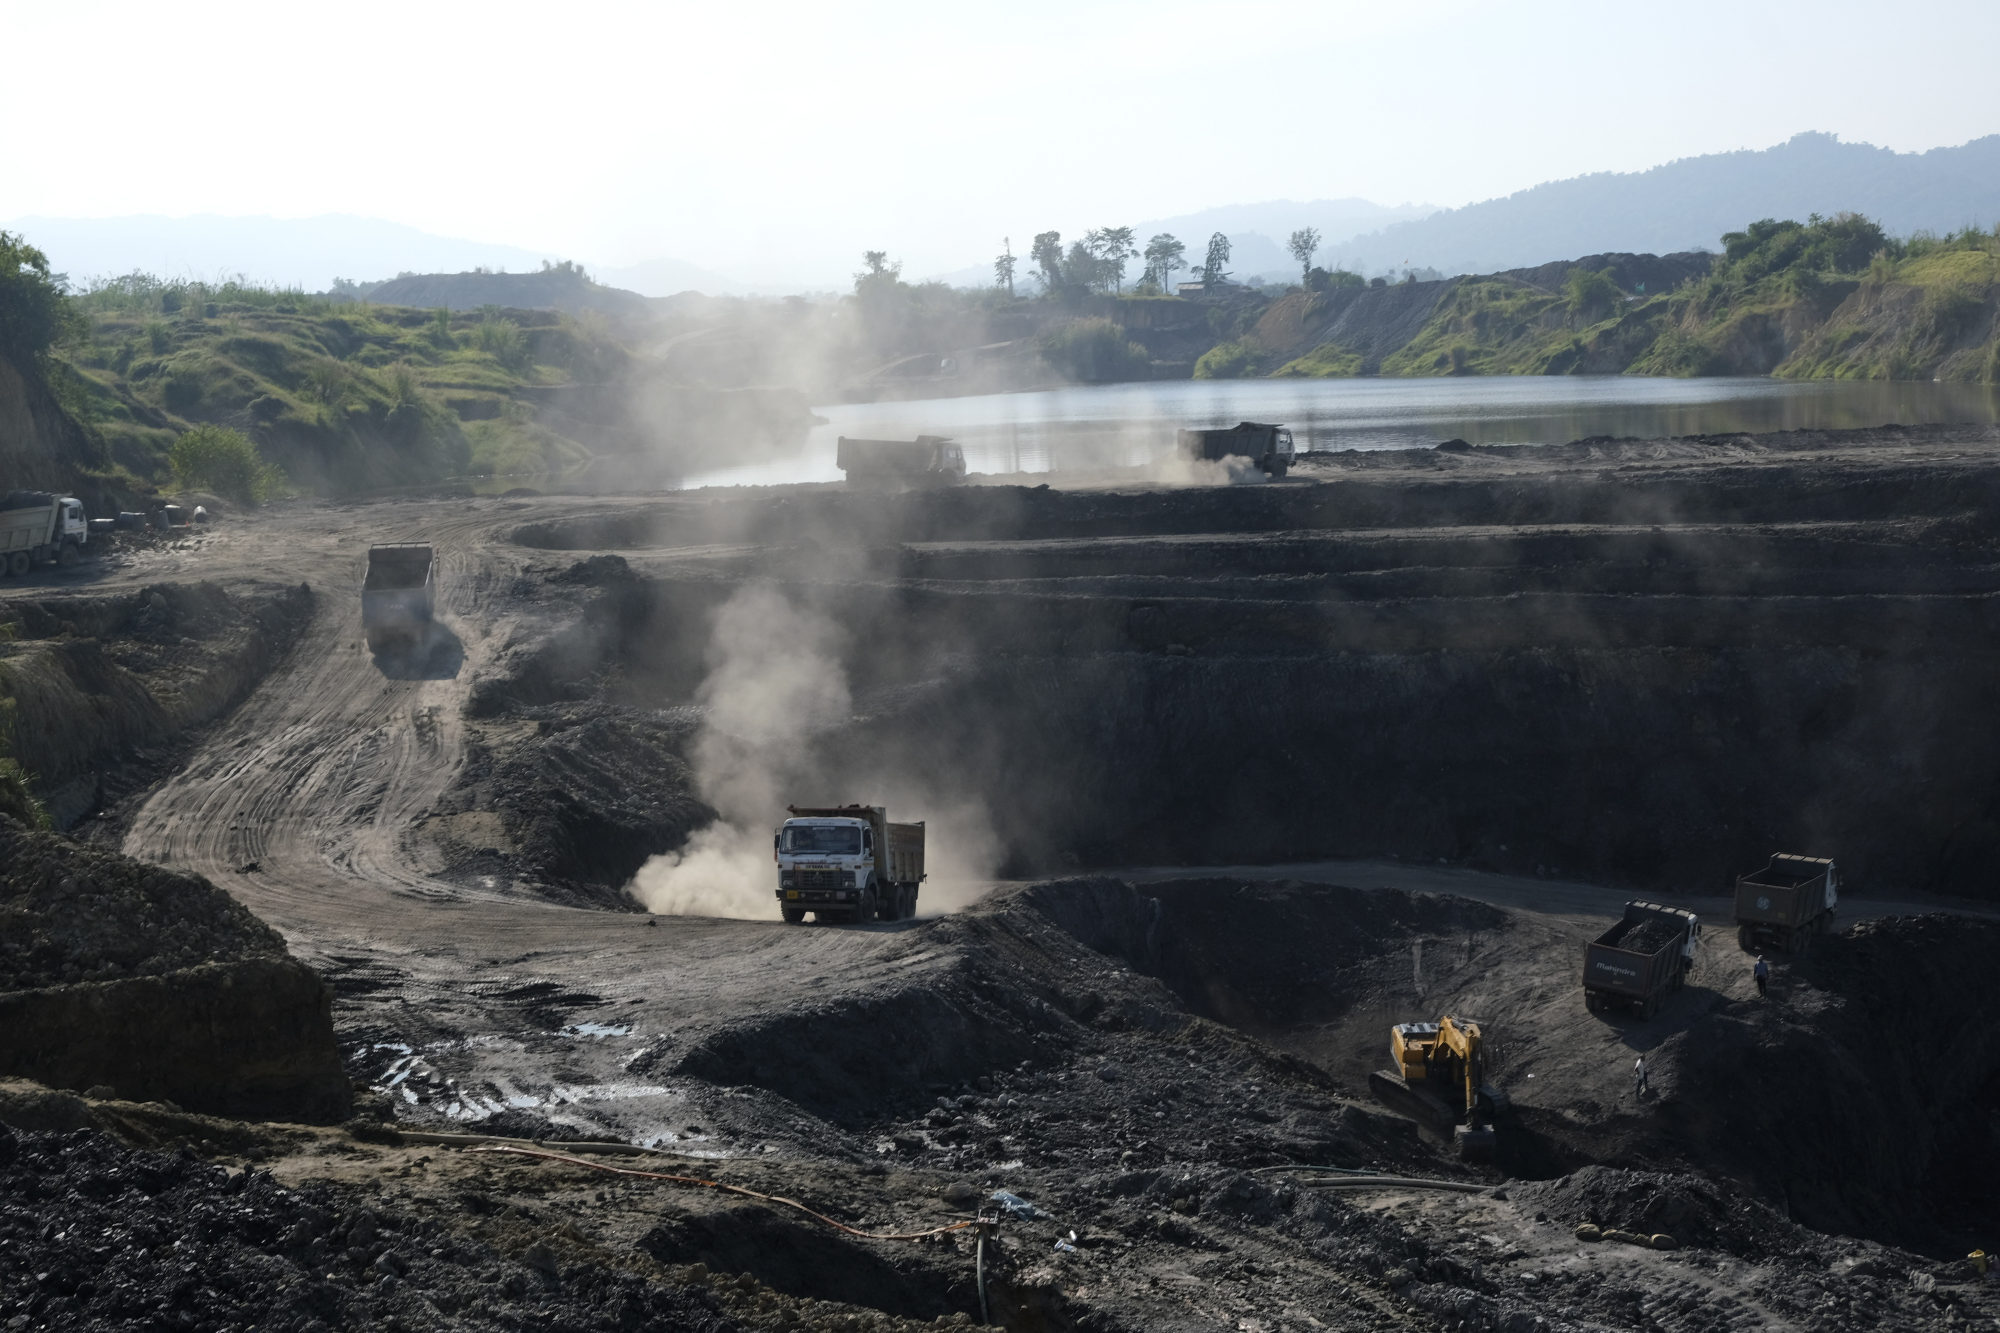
<point x="1786" y="903"/>
<point x="1641" y="960"/>
<point x="1269" y="447"/>
<point x="928" y="459"/>
<point x="399" y="595"/>
<point x="847" y="863"/>
<point x="37" y="528"/>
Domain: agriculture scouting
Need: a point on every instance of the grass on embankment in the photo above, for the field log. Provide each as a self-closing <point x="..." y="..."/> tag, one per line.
<point x="341" y="396"/>
<point x="1832" y="298"/>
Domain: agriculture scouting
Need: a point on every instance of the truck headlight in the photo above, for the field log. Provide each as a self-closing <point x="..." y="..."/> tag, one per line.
<point x="785" y="881"/>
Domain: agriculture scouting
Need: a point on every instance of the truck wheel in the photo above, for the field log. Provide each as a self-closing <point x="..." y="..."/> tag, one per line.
<point x="1746" y="940"/>
<point x="19" y="563"/>
<point x="909" y="902"/>
<point x="68" y="556"/>
<point x="793" y="915"/>
<point x="864" y="907"/>
<point x="1648" y="1007"/>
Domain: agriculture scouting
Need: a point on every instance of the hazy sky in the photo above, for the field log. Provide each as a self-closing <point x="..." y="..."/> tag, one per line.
<point x="778" y="140"/>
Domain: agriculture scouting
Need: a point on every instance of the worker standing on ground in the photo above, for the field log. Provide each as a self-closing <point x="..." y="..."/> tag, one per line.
<point x="1762" y="971"/>
<point x="1639" y="1077"/>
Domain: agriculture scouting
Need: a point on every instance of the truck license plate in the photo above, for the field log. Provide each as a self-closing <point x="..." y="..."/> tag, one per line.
<point x="791" y="895"/>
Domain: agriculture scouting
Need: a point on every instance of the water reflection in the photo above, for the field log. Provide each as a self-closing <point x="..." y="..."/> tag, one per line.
<point x="1131" y="425"/>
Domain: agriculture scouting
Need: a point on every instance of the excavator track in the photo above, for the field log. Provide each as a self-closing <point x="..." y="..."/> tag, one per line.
<point x="1411" y="1102"/>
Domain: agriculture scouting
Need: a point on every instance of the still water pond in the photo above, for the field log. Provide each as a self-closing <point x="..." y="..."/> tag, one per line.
<point x="1132" y="425"/>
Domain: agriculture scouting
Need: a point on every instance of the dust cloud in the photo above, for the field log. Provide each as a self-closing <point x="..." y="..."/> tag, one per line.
<point x="775" y="686"/>
<point x="774" y="680"/>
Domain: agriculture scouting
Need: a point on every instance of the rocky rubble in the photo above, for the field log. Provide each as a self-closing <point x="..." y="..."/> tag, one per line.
<point x="95" y="1235"/>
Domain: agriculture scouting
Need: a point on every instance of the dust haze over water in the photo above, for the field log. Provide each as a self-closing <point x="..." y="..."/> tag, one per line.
<point x="775" y="687"/>
<point x="1127" y="430"/>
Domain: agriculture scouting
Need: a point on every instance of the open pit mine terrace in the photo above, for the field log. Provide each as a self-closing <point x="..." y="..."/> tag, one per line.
<point x="329" y="1002"/>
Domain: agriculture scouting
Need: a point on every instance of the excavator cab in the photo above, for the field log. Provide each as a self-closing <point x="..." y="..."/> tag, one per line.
<point x="1439" y="1080"/>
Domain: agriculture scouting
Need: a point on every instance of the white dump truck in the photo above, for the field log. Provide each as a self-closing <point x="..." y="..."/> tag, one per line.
<point x="37" y="528"/>
<point x="847" y="863"/>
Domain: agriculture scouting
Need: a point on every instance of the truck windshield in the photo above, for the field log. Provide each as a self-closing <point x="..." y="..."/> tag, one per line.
<point x="838" y="839"/>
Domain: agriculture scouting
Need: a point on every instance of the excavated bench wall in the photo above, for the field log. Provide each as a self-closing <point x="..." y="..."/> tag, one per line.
<point x="158" y="985"/>
<point x="251" y="1039"/>
<point x="1659" y="741"/>
<point x="95" y="677"/>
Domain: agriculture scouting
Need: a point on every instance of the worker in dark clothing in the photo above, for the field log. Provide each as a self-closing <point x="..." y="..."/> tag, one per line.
<point x="1762" y="971"/>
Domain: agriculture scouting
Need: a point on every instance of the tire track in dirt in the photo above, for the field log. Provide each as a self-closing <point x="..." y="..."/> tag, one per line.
<point x="322" y="777"/>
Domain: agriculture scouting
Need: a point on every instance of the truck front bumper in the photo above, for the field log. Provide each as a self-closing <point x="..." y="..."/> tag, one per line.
<point x="814" y="897"/>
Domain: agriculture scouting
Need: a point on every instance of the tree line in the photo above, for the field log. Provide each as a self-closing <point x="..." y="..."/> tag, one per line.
<point x="1097" y="263"/>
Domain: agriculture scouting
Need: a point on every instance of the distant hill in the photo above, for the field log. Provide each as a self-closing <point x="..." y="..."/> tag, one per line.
<point x="309" y="253"/>
<point x="1689" y="204"/>
<point x="563" y="287"/>
<point x="306" y="253"/>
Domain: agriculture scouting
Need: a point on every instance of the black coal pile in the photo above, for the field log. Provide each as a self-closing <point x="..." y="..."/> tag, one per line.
<point x="70" y="912"/>
<point x="1648" y="935"/>
<point x="96" y="1235"/>
<point x="1694" y="1211"/>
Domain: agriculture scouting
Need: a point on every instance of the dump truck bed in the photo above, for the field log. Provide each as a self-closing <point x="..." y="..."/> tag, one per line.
<point x="398" y="595"/>
<point x="928" y="457"/>
<point x="1787" y="892"/>
<point x="27" y="519"/>
<point x="1641" y="956"/>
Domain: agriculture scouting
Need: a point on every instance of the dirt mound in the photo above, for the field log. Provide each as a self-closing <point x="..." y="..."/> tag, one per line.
<point x="1878" y="1052"/>
<point x="118" y="974"/>
<point x="96" y="1235"/>
<point x="584" y="799"/>
<point x="1693" y="1210"/>
<point x="70" y="913"/>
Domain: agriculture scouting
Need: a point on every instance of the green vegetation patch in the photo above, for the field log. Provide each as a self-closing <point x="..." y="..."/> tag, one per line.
<point x="1093" y="351"/>
<point x="1326" y="361"/>
<point x="333" y="395"/>
<point x="1229" y="361"/>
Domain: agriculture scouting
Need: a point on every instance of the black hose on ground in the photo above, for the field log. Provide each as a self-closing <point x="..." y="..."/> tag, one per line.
<point x="979" y="1267"/>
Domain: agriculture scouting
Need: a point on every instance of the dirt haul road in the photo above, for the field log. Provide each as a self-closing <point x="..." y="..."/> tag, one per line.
<point x="1079" y="1043"/>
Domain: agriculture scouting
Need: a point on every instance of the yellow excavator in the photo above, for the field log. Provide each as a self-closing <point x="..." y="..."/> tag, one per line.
<point x="1440" y="1081"/>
